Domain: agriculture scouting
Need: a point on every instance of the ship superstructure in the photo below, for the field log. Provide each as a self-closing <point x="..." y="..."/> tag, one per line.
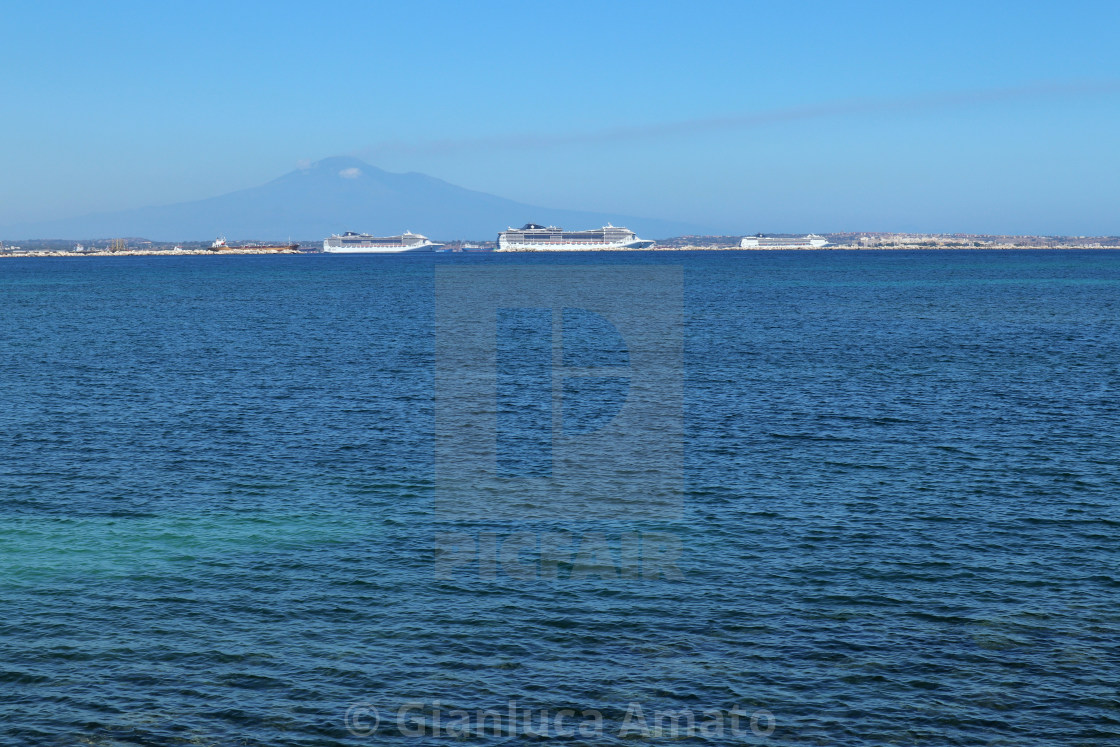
<point x="812" y="241"/>
<point x="534" y="238"/>
<point x="364" y="243"/>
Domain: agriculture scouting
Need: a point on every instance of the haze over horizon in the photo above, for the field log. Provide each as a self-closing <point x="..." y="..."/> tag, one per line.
<point x="326" y="197"/>
<point x="735" y="118"/>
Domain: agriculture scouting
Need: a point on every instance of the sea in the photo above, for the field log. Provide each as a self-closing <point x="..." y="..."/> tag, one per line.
<point x="838" y="498"/>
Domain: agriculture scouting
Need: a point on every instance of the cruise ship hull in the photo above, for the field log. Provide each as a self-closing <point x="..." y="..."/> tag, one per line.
<point x="575" y="247"/>
<point x="380" y="249"/>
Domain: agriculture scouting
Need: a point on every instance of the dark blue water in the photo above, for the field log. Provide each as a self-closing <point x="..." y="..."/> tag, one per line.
<point x="900" y="517"/>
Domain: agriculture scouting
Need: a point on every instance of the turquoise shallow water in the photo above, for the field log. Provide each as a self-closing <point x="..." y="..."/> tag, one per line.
<point x="901" y="501"/>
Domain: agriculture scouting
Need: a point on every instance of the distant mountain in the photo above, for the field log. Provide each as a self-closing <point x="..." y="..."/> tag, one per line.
<point x="331" y="196"/>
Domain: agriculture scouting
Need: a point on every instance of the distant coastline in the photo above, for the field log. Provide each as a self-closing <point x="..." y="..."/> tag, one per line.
<point x="840" y="248"/>
<point x="139" y="247"/>
<point x="883" y="248"/>
<point x="655" y="248"/>
<point x="144" y="253"/>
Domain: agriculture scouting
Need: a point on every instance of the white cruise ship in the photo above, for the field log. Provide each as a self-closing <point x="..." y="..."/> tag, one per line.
<point x="812" y="241"/>
<point x="534" y="238"/>
<point x="363" y="243"/>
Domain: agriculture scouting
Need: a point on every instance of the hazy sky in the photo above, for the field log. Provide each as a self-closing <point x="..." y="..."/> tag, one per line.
<point x="741" y="116"/>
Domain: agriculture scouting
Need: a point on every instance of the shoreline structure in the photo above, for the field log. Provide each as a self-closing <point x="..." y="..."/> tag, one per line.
<point x="146" y="253"/>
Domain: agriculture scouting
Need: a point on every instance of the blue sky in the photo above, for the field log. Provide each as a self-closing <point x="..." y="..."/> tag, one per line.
<point x="740" y="116"/>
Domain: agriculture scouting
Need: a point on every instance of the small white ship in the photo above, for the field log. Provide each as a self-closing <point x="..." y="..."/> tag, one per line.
<point x="363" y="243"/>
<point x="812" y="241"/>
<point x="534" y="238"/>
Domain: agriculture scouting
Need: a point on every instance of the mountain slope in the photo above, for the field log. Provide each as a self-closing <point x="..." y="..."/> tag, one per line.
<point x="331" y="196"/>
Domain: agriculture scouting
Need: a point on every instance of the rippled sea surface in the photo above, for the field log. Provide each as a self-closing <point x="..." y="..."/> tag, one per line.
<point x="901" y="508"/>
